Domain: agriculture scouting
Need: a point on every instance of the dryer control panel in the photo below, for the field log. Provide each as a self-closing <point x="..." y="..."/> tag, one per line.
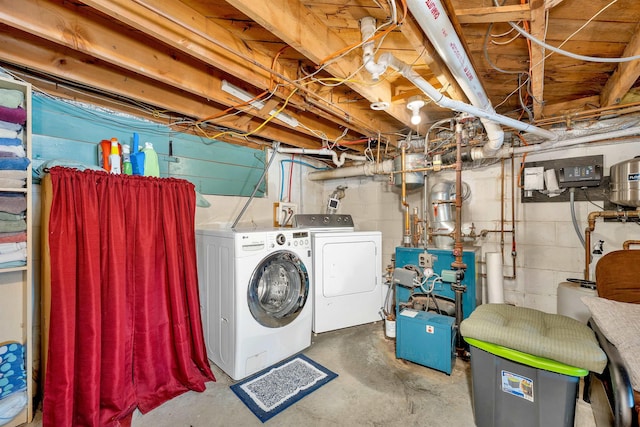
<point x="322" y="220"/>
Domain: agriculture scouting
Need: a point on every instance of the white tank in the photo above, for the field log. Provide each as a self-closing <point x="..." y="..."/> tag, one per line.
<point x="569" y="303"/>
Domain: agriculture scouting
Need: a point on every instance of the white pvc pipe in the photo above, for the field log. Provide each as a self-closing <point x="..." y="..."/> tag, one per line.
<point x="434" y="21"/>
<point x="367" y="30"/>
<point x="337" y="160"/>
<point x="443" y="101"/>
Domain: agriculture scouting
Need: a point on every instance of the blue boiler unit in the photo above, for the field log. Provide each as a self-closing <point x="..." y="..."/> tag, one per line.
<point x="426" y="337"/>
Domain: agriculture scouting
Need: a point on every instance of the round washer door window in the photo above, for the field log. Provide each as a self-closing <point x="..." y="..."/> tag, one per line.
<point x="278" y="289"/>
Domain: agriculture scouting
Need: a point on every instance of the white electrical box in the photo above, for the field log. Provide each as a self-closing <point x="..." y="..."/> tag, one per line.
<point x="283" y="214"/>
<point x="534" y="178"/>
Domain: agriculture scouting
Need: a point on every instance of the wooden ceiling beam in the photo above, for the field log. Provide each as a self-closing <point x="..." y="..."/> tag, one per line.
<point x="493" y="14"/>
<point x="420" y="43"/>
<point x="297" y="26"/>
<point x="537" y="56"/>
<point x="95" y="37"/>
<point x="192" y="33"/>
<point x="569" y="107"/>
<point x="64" y="64"/>
<point x="179" y="26"/>
<point x="624" y="76"/>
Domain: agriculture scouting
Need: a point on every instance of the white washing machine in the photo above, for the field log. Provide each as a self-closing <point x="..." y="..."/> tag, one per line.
<point x="347" y="272"/>
<point x="255" y="296"/>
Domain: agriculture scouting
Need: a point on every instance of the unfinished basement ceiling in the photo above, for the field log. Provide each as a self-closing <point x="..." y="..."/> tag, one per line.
<point x="168" y="60"/>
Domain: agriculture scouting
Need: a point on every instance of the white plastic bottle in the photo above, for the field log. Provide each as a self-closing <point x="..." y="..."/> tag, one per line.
<point x="596" y="254"/>
<point x="114" y="158"/>
<point x="127" y="168"/>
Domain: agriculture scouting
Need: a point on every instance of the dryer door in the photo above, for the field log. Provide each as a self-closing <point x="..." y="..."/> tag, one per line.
<point x="278" y="289"/>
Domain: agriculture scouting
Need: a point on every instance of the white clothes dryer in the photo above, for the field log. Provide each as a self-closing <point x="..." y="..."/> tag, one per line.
<point x="254" y="296"/>
<point x="347" y="272"/>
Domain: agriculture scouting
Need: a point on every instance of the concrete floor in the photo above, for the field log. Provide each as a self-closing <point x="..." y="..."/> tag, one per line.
<point x="373" y="389"/>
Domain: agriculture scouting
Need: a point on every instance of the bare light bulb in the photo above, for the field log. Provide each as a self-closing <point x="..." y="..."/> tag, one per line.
<point x="415" y="117"/>
<point x="415" y="104"/>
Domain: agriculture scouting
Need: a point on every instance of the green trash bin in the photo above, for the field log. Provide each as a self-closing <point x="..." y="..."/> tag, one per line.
<point x="512" y="388"/>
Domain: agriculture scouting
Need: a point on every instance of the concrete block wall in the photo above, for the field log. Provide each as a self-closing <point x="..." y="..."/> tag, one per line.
<point x="548" y="249"/>
<point x="374" y="204"/>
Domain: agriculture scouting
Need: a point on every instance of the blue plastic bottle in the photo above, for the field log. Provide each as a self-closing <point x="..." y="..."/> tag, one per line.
<point x="137" y="157"/>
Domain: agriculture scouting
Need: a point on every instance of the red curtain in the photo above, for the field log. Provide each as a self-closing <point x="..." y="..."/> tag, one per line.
<point x="125" y="327"/>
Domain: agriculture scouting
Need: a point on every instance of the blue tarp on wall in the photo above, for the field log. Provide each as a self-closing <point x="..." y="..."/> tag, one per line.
<point x="71" y="131"/>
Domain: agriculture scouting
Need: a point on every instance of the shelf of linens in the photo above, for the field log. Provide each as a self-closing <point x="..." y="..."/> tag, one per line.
<point x="12" y="269"/>
<point x="13" y="190"/>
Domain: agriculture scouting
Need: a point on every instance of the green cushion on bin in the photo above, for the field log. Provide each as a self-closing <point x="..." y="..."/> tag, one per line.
<point x="543" y="335"/>
<point x="528" y="359"/>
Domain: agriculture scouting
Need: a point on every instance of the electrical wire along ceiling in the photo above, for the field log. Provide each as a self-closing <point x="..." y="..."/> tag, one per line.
<point x="319" y="74"/>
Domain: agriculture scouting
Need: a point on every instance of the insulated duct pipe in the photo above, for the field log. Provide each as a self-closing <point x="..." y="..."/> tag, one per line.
<point x="365" y="169"/>
<point x="435" y="22"/>
<point x="338" y="161"/>
<point x="549" y="145"/>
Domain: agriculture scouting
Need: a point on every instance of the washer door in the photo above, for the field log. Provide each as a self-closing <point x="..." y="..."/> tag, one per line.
<point x="278" y="289"/>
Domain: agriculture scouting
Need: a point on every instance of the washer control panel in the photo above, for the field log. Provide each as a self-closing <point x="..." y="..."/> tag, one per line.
<point x="289" y="239"/>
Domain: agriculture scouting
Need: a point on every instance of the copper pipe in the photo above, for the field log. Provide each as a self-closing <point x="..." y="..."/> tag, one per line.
<point x="514" y="252"/>
<point x="425" y="208"/>
<point x="591" y="114"/>
<point x="452" y="235"/>
<point x="495" y="231"/>
<point x="502" y="220"/>
<point x="502" y="208"/>
<point x="406" y="238"/>
<point x="416" y="228"/>
<point x="457" y="247"/>
<point x="628" y="243"/>
<point x="592" y="225"/>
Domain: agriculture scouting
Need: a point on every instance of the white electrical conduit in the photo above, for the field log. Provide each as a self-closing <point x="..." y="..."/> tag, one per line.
<point x="337" y="160"/>
<point x="579" y="57"/>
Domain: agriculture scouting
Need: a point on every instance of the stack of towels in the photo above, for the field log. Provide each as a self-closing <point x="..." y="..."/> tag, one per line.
<point x="13" y="175"/>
